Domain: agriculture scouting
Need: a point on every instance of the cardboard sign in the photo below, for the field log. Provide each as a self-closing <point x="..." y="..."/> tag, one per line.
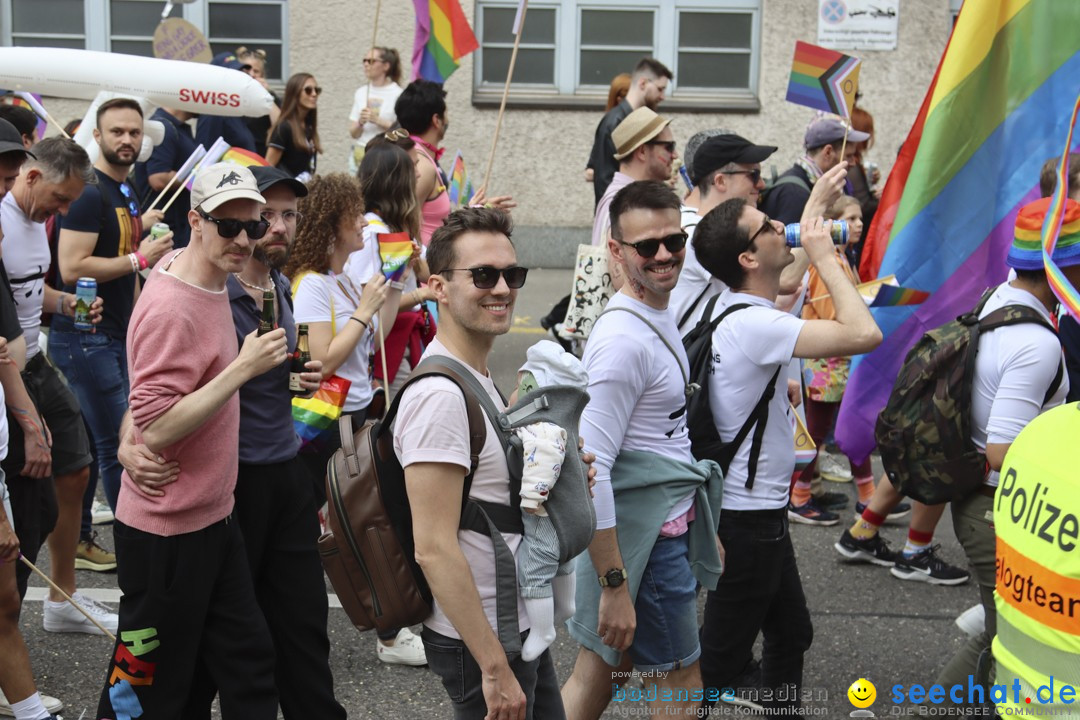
<point x="177" y="39"/>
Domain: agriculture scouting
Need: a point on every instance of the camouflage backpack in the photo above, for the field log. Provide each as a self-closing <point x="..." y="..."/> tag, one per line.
<point x="924" y="432"/>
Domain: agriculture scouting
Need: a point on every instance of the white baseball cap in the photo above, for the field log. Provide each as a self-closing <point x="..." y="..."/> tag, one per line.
<point x="218" y="184"/>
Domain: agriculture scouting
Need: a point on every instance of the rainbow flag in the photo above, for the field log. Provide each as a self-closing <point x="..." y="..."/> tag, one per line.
<point x="246" y="158"/>
<point x="1052" y="225"/>
<point x="805" y="449"/>
<point x="895" y="296"/>
<point x="210" y="157"/>
<point x="395" y="249"/>
<point x="315" y="418"/>
<point x="823" y="79"/>
<point x="443" y="37"/>
<point x="458" y="181"/>
<point x="996" y="110"/>
<point x="28" y="101"/>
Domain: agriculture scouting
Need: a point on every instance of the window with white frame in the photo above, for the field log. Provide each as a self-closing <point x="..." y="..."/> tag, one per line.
<point x="127" y="26"/>
<point x="711" y="46"/>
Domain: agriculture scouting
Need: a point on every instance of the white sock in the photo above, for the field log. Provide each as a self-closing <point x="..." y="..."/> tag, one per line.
<point x="564" y="587"/>
<point x="541" y="612"/>
<point x="30" y="709"/>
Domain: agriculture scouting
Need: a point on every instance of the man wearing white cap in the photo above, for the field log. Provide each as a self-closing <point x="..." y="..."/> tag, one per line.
<point x="188" y="596"/>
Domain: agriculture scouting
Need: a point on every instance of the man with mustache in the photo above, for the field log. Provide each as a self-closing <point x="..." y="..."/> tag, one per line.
<point x="275" y="501"/>
<point x="99" y="238"/>
<point x="188" y="593"/>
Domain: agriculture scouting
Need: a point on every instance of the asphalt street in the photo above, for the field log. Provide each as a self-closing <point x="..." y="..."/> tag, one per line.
<point x="866" y="622"/>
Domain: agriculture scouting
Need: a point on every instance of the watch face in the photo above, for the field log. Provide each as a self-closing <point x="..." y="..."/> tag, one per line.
<point x="614" y="578"/>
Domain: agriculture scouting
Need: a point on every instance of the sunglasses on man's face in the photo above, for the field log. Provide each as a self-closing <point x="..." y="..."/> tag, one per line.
<point x="229" y="228"/>
<point x="753" y="175"/>
<point x="485" y="277"/>
<point x="668" y="145"/>
<point x="648" y="248"/>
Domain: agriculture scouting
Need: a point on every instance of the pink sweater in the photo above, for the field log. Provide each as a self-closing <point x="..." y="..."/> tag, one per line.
<point x="179" y="338"/>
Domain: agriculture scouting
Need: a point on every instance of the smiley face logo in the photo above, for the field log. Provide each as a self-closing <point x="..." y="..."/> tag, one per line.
<point x="862" y="693"/>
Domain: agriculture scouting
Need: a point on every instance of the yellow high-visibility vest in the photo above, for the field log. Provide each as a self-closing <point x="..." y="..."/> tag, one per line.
<point x="1037" y="519"/>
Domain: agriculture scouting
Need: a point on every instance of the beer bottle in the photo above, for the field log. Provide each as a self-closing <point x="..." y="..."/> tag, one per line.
<point x="269" y="317"/>
<point x="299" y="361"/>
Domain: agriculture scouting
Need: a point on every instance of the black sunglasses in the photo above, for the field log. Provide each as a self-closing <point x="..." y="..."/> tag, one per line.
<point x="133" y="207"/>
<point x="229" y="228"/>
<point x="754" y="175"/>
<point x="668" y="145"/>
<point x="648" y="248"/>
<point x="767" y="224"/>
<point x="313" y="90"/>
<point x="486" y="277"/>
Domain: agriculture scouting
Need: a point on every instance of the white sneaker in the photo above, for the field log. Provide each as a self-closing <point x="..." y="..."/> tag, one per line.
<point x="52" y="705"/>
<point x="62" y="617"/>
<point x="408" y="649"/>
<point x="833" y="468"/>
<point x="100" y="513"/>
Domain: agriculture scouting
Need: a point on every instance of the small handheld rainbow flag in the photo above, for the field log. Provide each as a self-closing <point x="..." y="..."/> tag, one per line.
<point x="805" y="449"/>
<point x="314" y="417"/>
<point x="442" y="38"/>
<point x="1051" y="229"/>
<point x="213" y="155"/>
<point x="458" y="181"/>
<point x="895" y="296"/>
<point x="246" y="158"/>
<point x="823" y="79"/>
<point x="395" y="249"/>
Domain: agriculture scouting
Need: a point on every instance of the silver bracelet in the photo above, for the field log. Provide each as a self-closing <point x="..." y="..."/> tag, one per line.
<point x="60" y="304"/>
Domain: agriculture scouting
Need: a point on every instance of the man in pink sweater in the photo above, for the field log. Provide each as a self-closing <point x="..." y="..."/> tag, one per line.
<point x="188" y="596"/>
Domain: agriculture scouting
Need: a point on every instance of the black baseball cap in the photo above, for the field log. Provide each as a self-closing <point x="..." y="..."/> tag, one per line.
<point x="266" y="177"/>
<point x="11" y="140"/>
<point x="719" y="150"/>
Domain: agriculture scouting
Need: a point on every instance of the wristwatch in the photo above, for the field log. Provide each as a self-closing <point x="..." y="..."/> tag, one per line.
<point x="613" y="577"/>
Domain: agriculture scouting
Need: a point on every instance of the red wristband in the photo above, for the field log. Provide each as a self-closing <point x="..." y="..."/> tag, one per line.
<point x="142" y="260"/>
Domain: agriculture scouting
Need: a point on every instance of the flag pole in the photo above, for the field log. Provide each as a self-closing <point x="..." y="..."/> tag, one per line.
<point x="506" y="92"/>
<point x="374" y="39"/>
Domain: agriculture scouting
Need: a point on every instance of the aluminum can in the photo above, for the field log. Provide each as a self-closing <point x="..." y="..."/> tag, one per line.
<point x="85" y="294"/>
<point x="839" y="231"/>
<point x="159" y="230"/>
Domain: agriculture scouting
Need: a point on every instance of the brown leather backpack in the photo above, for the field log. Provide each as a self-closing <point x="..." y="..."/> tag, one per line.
<point x="368" y="552"/>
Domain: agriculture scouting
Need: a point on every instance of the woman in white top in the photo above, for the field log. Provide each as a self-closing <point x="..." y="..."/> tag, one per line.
<point x="373" y="105"/>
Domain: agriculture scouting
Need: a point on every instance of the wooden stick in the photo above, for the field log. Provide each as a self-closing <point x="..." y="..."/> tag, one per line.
<point x="374" y="39"/>
<point x="67" y="597"/>
<point x="382" y="356"/>
<point x="506" y="93"/>
<point x="58" y="126"/>
<point x="843" y="146"/>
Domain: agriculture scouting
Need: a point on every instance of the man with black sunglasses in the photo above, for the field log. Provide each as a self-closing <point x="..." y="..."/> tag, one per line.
<point x="188" y="594"/>
<point x="99" y="238"/>
<point x="637" y="587"/>
<point x="752" y="343"/>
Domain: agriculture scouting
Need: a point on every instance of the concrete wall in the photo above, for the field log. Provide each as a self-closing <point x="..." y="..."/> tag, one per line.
<point x="542" y="153"/>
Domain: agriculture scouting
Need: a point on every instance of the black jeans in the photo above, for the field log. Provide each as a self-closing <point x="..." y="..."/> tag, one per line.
<point x="454" y="664"/>
<point x="275" y="507"/>
<point x="760" y="591"/>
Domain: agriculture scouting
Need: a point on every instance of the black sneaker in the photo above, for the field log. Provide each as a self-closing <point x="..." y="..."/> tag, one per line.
<point x="901" y="510"/>
<point x="810" y="514"/>
<point x="831" y="500"/>
<point x="927" y="567"/>
<point x="874" y="550"/>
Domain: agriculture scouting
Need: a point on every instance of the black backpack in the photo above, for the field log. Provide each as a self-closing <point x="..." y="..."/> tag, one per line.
<point x="705" y="442"/>
<point x="924" y="432"/>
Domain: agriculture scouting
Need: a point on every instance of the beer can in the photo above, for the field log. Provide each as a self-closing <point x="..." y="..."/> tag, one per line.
<point x="85" y="294"/>
<point x="838" y="230"/>
<point x="159" y="230"/>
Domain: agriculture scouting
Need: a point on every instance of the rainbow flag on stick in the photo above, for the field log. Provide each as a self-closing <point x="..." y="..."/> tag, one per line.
<point x="1051" y="228"/>
<point x="460" y="188"/>
<point x="895" y="296"/>
<point x="395" y="249"/>
<point x="823" y="79"/>
<point x="996" y="109"/>
<point x="443" y="37"/>
<point x="212" y="156"/>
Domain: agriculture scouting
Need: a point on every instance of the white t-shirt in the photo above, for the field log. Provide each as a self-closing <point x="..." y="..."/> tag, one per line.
<point x="432" y="426"/>
<point x="26" y="257"/>
<point x="1013" y="371"/>
<point x="320" y="298"/>
<point x="694" y="281"/>
<point x="747" y="347"/>
<point x="366" y="261"/>
<point x="377" y="98"/>
<point x="638" y="396"/>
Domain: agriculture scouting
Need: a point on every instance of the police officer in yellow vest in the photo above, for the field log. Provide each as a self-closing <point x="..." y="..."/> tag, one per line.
<point x="1037" y="518"/>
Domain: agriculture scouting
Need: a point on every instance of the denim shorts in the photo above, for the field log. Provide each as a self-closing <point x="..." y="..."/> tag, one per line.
<point x="667" y="628"/>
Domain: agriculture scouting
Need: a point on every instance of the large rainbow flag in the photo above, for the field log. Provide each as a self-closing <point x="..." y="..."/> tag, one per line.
<point x="997" y="109"/>
<point x="443" y="37"/>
